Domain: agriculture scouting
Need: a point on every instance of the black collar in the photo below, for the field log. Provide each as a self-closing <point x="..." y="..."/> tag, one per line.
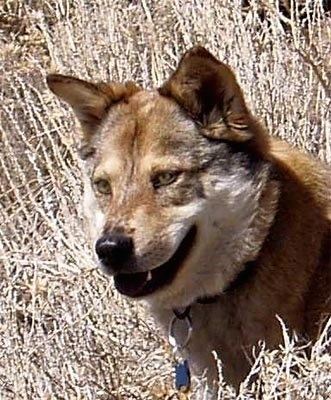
<point x="244" y="276"/>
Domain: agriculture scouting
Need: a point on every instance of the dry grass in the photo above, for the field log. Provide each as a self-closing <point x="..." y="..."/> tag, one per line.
<point x="64" y="332"/>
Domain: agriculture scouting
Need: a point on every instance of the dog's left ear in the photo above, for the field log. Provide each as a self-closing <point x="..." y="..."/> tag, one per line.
<point x="90" y="101"/>
<point x="208" y="91"/>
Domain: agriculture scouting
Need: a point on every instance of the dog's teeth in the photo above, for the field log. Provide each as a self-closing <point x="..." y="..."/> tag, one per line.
<point x="149" y="276"/>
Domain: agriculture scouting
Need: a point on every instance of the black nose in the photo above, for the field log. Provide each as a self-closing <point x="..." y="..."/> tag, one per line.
<point x="114" y="250"/>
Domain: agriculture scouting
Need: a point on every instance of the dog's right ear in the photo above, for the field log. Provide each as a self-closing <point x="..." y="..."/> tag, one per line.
<point x="89" y="101"/>
<point x="207" y="89"/>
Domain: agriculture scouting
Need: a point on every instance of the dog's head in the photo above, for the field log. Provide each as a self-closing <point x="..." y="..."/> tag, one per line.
<point x="176" y="179"/>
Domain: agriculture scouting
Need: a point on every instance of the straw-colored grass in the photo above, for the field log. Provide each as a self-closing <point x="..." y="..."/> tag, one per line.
<point x="64" y="332"/>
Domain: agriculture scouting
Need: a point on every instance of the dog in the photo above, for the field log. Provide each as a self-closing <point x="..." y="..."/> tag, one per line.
<point x="195" y="207"/>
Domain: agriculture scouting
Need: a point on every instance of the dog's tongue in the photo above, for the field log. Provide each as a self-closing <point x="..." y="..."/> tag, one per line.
<point x="130" y="284"/>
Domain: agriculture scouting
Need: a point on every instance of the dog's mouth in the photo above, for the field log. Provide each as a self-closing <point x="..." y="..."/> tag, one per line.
<point x="141" y="284"/>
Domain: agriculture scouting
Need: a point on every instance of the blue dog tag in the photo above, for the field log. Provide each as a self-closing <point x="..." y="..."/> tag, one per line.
<point x="183" y="378"/>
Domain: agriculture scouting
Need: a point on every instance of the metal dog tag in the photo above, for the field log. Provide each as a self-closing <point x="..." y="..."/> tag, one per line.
<point x="183" y="378"/>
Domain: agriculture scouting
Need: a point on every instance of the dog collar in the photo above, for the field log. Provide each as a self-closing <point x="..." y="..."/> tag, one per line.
<point x="182" y="370"/>
<point x="242" y="277"/>
<point x="208" y="300"/>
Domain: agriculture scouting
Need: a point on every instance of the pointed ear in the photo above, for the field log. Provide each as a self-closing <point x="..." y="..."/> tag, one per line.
<point x="89" y="101"/>
<point x="207" y="89"/>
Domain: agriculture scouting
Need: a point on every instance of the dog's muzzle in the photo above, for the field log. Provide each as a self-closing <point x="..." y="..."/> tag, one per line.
<point x="117" y="257"/>
<point x="114" y="251"/>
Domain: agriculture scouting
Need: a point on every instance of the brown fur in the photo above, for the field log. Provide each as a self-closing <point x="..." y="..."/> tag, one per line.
<point x="264" y="247"/>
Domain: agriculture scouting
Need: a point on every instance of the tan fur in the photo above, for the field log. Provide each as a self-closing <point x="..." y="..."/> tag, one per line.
<point x="259" y="207"/>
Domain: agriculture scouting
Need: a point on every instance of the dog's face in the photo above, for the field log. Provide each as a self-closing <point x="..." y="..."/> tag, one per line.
<point x="173" y="190"/>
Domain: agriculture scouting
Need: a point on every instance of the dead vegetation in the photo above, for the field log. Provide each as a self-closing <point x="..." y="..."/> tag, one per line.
<point x="64" y="332"/>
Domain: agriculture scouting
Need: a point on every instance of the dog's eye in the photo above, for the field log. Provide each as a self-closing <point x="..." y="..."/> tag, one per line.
<point x="164" y="178"/>
<point x="102" y="186"/>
